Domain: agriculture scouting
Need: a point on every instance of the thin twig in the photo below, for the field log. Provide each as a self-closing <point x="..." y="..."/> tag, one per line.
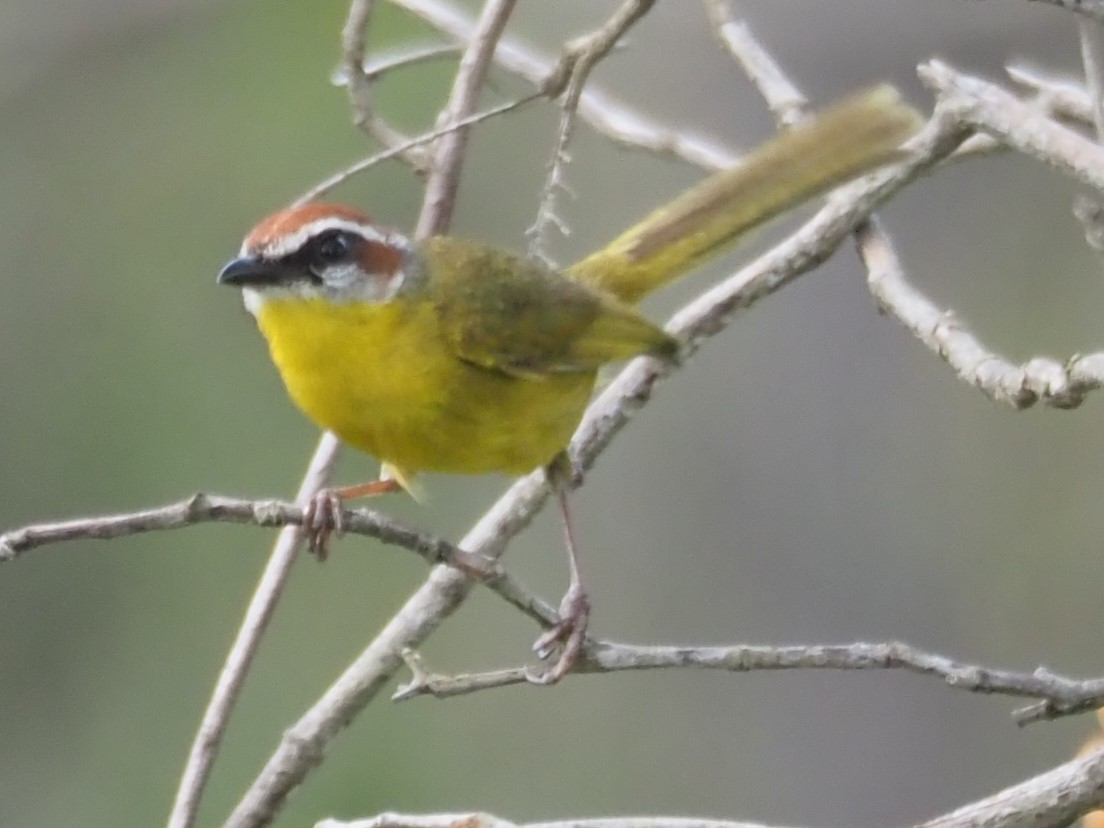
<point x="354" y="43"/>
<point x="1057" y="695"/>
<point x="385" y="62"/>
<point x="341" y="176"/>
<point x="212" y="508"/>
<point x="358" y="84"/>
<point x="1053" y="799"/>
<point x="212" y="727"/>
<point x="582" y="54"/>
<point x="209" y="508"/>
<point x="607" y="115"/>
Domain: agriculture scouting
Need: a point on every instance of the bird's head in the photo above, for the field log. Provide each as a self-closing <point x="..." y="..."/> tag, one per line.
<point x="325" y="251"/>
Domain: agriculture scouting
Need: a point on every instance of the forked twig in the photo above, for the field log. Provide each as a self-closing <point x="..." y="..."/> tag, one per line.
<point x="1055" y="696"/>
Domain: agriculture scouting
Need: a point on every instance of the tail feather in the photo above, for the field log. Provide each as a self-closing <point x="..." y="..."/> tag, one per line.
<point x="846" y="140"/>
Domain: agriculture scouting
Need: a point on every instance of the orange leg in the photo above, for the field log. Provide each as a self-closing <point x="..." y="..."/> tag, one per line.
<point x="322" y="517"/>
<point x="369" y="489"/>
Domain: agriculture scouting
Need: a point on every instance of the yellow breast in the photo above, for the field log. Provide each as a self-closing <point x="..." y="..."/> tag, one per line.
<point x="380" y="376"/>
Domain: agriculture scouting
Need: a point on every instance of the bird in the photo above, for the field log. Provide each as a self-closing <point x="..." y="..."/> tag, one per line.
<point x="444" y="354"/>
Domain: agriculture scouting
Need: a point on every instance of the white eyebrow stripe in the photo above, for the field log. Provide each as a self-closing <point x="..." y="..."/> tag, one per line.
<point x="286" y="245"/>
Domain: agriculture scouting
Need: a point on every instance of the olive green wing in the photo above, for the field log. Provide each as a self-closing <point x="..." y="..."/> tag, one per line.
<point x="508" y="314"/>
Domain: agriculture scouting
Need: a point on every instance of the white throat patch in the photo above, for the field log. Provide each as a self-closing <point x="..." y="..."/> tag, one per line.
<point x="254" y="299"/>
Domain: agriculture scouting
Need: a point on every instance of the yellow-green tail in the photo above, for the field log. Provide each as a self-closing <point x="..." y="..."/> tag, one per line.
<point x="846" y="140"/>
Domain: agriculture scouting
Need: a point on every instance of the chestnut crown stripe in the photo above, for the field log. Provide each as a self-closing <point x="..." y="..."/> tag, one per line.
<point x="285" y="232"/>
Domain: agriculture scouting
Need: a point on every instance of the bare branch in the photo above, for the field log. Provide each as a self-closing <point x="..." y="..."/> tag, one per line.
<point x="205" y="508"/>
<point x="1050" y="800"/>
<point x="783" y="98"/>
<point x="210" y="508"/>
<point x="582" y="55"/>
<point x="618" y="122"/>
<point x="981" y="105"/>
<point x="444" y="177"/>
<point x="1020" y="386"/>
<point x="354" y="42"/>
<point x="1022" y="126"/>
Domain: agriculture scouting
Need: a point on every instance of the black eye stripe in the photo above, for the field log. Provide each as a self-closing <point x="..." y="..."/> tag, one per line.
<point x="328" y="249"/>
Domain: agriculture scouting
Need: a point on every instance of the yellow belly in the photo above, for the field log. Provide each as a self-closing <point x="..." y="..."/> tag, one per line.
<point x="382" y="379"/>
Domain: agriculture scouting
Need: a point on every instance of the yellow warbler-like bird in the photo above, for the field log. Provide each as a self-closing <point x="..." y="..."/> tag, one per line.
<point x="447" y="355"/>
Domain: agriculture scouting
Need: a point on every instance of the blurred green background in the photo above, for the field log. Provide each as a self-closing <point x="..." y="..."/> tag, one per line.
<point x="813" y="475"/>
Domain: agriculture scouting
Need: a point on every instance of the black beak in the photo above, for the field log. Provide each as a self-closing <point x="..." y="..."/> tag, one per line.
<point x="250" y="270"/>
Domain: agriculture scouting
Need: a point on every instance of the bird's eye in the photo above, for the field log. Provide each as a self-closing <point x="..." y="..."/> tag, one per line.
<point x="333" y="249"/>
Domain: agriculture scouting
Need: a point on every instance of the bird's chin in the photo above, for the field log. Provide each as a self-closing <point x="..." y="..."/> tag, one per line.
<point x="254" y="300"/>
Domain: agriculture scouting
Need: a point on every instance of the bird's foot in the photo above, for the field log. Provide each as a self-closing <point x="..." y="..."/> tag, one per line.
<point x="321" y="519"/>
<point x="568" y="635"/>
<point x="323" y="515"/>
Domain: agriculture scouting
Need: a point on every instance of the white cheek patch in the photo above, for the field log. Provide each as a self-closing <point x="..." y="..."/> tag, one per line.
<point x="376" y="288"/>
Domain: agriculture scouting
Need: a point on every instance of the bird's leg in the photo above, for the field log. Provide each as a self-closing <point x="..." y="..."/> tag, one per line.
<point x="322" y="517"/>
<point x="570" y="631"/>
